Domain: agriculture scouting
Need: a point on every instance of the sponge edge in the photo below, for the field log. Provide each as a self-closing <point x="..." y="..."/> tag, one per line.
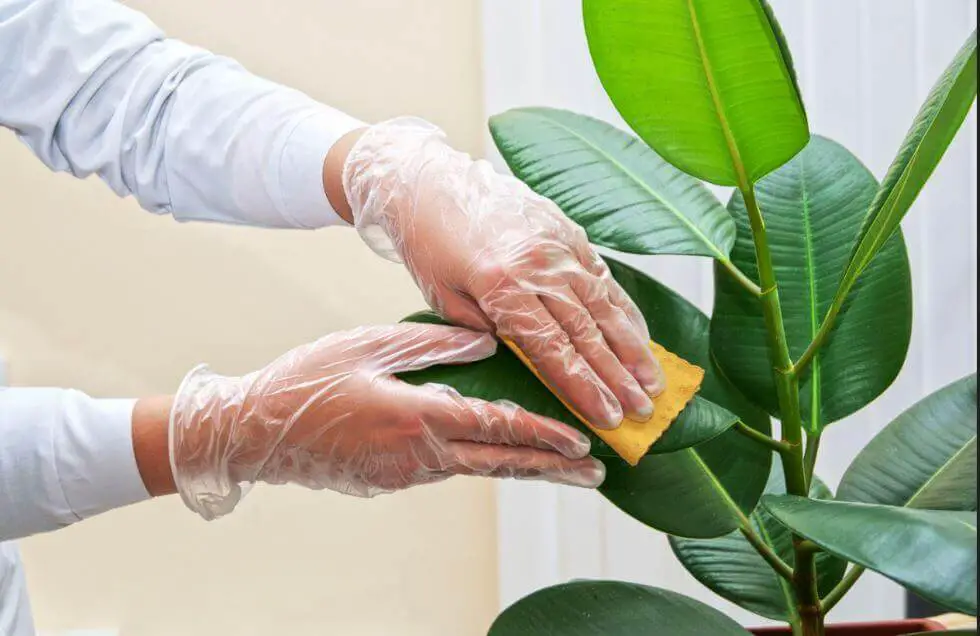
<point x="633" y="438"/>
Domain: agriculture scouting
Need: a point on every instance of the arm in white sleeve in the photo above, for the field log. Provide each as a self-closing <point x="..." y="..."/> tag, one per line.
<point x="92" y="86"/>
<point x="64" y="457"/>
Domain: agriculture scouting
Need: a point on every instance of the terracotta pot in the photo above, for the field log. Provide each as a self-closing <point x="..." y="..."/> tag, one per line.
<point x="881" y="628"/>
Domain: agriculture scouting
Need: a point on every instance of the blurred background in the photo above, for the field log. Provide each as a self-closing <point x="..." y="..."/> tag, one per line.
<point x="98" y="295"/>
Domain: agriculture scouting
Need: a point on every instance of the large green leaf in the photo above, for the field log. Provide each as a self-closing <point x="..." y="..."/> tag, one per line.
<point x="925" y="458"/>
<point x="691" y="492"/>
<point x="733" y="569"/>
<point x="812" y="206"/>
<point x="931" y="552"/>
<point x="504" y="377"/>
<point x="609" y="182"/>
<point x="611" y="608"/>
<point x="932" y="131"/>
<point x="706" y="84"/>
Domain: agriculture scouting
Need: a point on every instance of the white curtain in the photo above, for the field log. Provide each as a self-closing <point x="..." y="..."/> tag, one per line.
<point x="865" y="67"/>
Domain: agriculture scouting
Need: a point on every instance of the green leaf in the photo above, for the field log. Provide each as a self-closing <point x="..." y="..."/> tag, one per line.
<point x="925" y="458"/>
<point x="706" y="84"/>
<point x="611" y="608"/>
<point x="812" y="206"/>
<point x="504" y="377"/>
<point x="623" y="194"/>
<point x="732" y="568"/>
<point x="931" y="552"/>
<point x="698" y="491"/>
<point x="932" y="131"/>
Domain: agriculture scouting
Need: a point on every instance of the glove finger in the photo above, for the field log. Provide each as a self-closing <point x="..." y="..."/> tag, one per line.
<point x="593" y="263"/>
<point x="631" y="347"/>
<point x="590" y="343"/>
<point x="507" y="423"/>
<point x="521" y="462"/>
<point x="417" y="346"/>
<point x="524" y="318"/>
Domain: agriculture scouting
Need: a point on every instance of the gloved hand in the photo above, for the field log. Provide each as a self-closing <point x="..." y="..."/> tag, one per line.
<point x="331" y="414"/>
<point x="490" y="254"/>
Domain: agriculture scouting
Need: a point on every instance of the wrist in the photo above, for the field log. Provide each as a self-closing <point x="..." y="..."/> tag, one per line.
<point x="385" y="175"/>
<point x="333" y="173"/>
<point x="151" y="423"/>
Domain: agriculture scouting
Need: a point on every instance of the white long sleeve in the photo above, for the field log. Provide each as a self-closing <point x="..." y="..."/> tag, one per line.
<point x="15" y="608"/>
<point x="93" y="87"/>
<point x="64" y="457"/>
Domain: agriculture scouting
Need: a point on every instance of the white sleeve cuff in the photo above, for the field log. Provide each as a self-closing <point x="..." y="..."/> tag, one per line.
<point x="94" y="455"/>
<point x="64" y="456"/>
<point x="301" y="167"/>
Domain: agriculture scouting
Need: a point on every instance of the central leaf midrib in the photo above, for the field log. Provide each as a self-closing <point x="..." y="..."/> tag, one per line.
<point x="716" y="98"/>
<point x="726" y="497"/>
<point x="636" y="179"/>
<point x="939" y="471"/>
<point x="814" y="301"/>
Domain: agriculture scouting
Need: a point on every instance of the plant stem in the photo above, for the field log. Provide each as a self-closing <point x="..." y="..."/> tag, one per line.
<point x="787" y="386"/>
<point x="841" y="589"/>
<point x="788" y="392"/>
<point x="777" y="445"/>
<point x="807" y="595"/>
<point x="777" y="564"/>
<point x="810" y="458"/>
<point x="740" y="276"/>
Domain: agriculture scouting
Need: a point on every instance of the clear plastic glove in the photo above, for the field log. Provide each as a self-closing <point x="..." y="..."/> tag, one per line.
<point x="332" y="414"/>
<point x="490" y="254"/>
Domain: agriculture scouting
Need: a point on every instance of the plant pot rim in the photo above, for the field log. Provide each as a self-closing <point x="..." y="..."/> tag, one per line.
<point x="881" y="628"/>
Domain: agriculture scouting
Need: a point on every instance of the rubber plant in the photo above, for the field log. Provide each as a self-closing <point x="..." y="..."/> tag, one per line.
<point x="812" y="320"/>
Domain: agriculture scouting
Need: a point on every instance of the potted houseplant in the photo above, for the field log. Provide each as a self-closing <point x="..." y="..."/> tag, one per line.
<point x="811" y="322"/>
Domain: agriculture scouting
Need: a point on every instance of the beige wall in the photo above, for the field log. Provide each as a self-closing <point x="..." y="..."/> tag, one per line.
<point x="98" y="295"/>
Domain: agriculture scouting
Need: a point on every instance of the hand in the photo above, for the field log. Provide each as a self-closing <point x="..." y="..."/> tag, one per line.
<point x="490" y="254"/>
<point x="332" y="414"/>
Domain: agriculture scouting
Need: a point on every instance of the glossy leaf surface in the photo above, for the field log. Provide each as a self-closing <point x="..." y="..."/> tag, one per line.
<point x="925" y="458"/>
<point x="612" y="184"/>
<point x="611" y="608"/>
<point x="707" y="84"/>
<point x="931" y="552"/>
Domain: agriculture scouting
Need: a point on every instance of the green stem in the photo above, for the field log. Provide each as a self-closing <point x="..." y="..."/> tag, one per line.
<point x="810" y="457"/>
<point x="788" y="392"/>
<point x="777" y="564"/>
<point x="743" y="280"/>
<point x="787" y="386"/>
<point x="808" y="546"/>
<point x="807" y="595"/>
<point x="841" y="589"/>
<point x="777" y="445"/>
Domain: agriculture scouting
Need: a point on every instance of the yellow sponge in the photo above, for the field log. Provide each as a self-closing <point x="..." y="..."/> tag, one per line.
<point x="633" y="438"/>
